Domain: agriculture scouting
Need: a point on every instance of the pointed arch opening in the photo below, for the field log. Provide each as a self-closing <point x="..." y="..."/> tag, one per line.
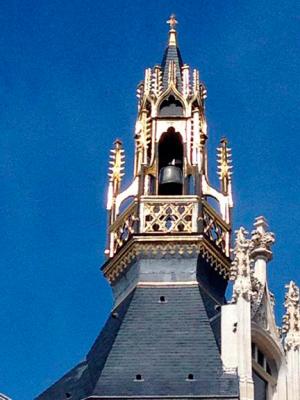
<point x="213" y="202"/>
<point x="171" y="106"/>
<point x="170" y="153"/>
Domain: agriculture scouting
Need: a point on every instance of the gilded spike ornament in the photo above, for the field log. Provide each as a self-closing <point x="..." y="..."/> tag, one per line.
<point x="143" y="135"/>
<point x="147" y="87"/>
<point x="140" y="91"/>
<point x="196" y="81"/>
<point x="157" y="81"/>
<point x="116" y="169"/>
<point x="224" y="165"/>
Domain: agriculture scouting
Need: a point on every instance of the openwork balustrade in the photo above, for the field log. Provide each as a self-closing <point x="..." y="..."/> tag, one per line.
<point x="166" y="214"/>
<point x="123" y="228"/>
<point x="215" y="229"/>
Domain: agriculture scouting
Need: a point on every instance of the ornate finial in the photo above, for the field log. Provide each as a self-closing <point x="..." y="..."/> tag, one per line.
<point x="172" y="32"/>
<point x="196" y="81"/>
<point x="291" y="319"/>
<point x="116" y="166"/>
<point x="261" y="240"/>
<point x="157" y="80"/>
<point x="224" y="164"/>
<point x="172" y="21"/>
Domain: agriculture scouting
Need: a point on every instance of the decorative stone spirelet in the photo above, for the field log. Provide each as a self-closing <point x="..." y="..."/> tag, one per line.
<point x="291" y="319"/>
<point x="261" y="240"/>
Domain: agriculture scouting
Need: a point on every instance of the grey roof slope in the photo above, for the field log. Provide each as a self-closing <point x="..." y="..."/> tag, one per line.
<point x="163" y="342"/>
<point x="172" y="53"/>
<point x="80" y="381"/>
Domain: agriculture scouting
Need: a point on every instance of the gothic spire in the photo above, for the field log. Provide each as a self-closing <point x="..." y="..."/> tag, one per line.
<point x="172" y="61"/>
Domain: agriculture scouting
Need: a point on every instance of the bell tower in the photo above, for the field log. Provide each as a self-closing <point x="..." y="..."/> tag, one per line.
<point x="170" y="208"/>
<point x="167" y="254"/>
<point x="171" y="334"/>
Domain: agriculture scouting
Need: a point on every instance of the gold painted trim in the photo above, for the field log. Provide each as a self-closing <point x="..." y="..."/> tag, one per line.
<point x="165" y="244"/>
<point x="131" y="209"/>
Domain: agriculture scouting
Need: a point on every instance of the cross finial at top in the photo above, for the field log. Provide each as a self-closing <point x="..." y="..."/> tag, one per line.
<point x="172" y="21"/>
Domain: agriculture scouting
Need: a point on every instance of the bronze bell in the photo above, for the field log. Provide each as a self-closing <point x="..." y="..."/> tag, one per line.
<point x="170" y="174"/>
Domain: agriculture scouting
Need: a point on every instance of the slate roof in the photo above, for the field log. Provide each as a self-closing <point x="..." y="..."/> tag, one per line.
<point x="172" y="53"/>
<point x="163" y="342"/>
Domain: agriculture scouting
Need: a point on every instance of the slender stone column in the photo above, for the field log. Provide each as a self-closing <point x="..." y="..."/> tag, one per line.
<point x="291" y="331"/>
<point x="242" y="292"/>
<point x="261" y="242"/>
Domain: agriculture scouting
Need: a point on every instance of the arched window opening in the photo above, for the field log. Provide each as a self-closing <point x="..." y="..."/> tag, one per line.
<point x="260" y="387"/>
<point x="264" y="374"/>
<point x="213" y="203"/>
<point x="190" y="184"/>
<point x="149" y="185"/>
<point x="125" y="204"/>
<point x="170" y="152"/>
<point x="171" y="107"/>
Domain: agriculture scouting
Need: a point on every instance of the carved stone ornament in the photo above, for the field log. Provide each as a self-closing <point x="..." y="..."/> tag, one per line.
<point x="258" y="291"/>
<point x="261" y="240"/>
<point x="261" y="317"/>
<point x="240" y="271"/>
<point x="259" y="308"/>
<point x="260" y="248"/>
<point x="291" y="319"/>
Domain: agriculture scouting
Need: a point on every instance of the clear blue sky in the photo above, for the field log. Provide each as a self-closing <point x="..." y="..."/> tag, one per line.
<point x="69" y="71"/>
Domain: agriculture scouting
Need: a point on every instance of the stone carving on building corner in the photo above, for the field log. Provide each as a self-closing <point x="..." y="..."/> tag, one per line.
<point x="261" y="241"/>
<point x="291" y="319"/>
<point x="261" y="253"/>
<point x="249" y="255"/>
<point x="240" y="270"/>
<point x="260" y="316"/>
<point x="258" y="291"/>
